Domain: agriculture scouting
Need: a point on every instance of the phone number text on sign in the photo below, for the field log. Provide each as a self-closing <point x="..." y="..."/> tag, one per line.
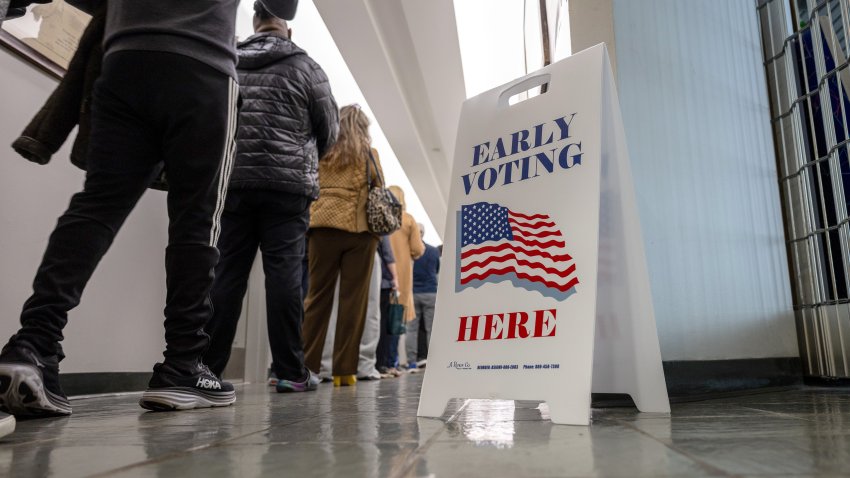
<point x="539" y="366"/>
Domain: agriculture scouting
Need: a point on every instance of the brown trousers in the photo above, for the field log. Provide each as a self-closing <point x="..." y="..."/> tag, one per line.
<point x="335" y="253"/>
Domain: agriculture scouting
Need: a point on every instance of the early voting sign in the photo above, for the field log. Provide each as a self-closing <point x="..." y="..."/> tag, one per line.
<point x="544" y="293"/>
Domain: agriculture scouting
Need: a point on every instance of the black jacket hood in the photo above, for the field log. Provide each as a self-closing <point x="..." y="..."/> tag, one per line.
<point x="262" y="49"/>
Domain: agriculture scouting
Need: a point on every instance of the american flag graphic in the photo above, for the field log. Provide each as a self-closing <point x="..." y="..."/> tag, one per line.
<point x="498" y="244"/>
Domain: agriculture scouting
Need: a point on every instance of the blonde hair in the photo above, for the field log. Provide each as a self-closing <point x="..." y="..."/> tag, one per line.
<point x="354" y="141"/>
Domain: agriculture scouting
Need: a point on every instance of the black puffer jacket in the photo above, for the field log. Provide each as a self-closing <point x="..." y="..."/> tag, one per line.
<point x="289" y="118"/>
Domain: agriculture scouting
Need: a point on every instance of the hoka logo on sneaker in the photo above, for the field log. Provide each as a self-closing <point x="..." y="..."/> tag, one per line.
<point x="208" y="384"/>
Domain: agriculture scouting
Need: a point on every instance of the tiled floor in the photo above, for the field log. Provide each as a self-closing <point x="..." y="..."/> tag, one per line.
<point x="372" y="430"/>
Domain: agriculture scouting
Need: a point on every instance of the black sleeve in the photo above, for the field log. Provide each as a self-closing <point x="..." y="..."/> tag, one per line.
<point x="88" y="6"/>
<point x="324" y="113"/>
<point x="24" y="3"/>
<point x="386" y="251"/>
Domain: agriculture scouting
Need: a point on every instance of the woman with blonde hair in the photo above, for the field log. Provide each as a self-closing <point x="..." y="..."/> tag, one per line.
<point x="341" y="245"/>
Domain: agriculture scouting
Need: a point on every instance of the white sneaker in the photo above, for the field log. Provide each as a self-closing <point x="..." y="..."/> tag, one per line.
<point x="373" y="375"/>
<point x="7" y="424"/>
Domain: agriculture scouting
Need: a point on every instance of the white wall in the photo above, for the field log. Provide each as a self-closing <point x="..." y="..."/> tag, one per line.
<point x="118" y="326"/>
<point x="692" y="92"/>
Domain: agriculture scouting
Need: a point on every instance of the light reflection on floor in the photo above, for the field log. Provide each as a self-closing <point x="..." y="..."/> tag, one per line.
<point x="491" y="422"/>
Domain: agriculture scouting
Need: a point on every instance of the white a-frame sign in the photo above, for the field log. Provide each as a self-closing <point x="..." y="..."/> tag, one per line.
<point x="544" y="292"/>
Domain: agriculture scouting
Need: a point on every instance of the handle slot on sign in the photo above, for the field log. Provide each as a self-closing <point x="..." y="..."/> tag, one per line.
<point x="524" y="90"/>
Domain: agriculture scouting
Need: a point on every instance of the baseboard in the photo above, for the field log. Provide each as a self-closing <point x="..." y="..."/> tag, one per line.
<point x="686" y="380"/>
<point x="103" y="382"/>
<point x="827" y="381"/>
<point x="722" y="376"/>
<point x="693" y="380"/>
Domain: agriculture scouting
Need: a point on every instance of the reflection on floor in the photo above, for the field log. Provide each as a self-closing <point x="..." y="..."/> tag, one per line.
<point x="372" y="430"/>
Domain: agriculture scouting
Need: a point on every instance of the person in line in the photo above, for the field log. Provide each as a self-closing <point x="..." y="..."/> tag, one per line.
<point x="367" y="365"/>
<point x="305" y="283"/>
<point x="407" y="245"/>
<point x="341" y="246"/>
<point x="288" y="120"/>
<point x="425" y="272"/>
<point x="163" y="96"/>
<point x="382" y="270"/>
<point x="385" y="355"/>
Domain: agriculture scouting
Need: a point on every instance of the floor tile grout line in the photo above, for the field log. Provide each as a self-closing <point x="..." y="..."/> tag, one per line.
<point x="415" y="455"/>
<point x="707" y="466"/>
<point x="178" y="454"/>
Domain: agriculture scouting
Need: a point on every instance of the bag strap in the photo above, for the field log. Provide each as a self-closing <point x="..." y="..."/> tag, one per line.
<point x="378" y="174"/>
<point x="368" y="174"/>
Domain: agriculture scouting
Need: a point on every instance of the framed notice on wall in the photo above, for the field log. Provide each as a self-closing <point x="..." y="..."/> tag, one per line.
<point x="47" y="35"/>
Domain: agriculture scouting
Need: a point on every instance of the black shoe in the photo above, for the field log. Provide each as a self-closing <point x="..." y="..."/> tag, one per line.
<point x="29" y="384"/>
<point x="173" y="389"/>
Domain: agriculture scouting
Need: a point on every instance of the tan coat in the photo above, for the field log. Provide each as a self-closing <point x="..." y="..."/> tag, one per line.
<point x="342" y="196"/>
<point x="407" y="246"/>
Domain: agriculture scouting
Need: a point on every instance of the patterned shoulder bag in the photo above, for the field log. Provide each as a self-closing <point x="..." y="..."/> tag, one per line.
<point x="383" y="210"/>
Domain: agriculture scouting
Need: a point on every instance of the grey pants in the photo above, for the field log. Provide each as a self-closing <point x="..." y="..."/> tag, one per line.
<point x="4" y="5"/>
<point x="371" y="331"/>
<point x="417" y="348"/>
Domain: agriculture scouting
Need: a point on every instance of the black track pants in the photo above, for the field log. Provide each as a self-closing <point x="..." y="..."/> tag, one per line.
<point x="149" y="108"/>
